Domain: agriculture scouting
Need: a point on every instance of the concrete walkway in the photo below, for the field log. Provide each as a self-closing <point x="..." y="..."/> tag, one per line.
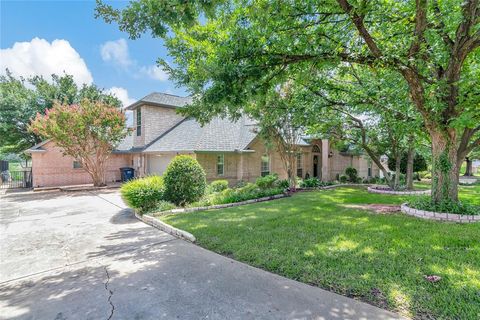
<point x="84" y="256"/>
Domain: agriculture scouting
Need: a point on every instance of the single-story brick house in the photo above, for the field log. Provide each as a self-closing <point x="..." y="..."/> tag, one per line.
<point x="226" y="149"/>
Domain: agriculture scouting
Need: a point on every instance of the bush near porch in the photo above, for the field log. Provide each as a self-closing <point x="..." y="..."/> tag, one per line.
<point x="328" y="239"/>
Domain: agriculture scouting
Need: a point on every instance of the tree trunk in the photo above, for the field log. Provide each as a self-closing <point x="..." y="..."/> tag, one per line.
<point x="468" y="169"/>
<point x="410" y="155"/>
<point x="398" y="160"/>
<point x="445" y="171"/>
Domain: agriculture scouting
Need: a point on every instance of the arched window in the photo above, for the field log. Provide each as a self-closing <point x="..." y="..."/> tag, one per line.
<point x="316" y="149"/>
<point x="265" y="165"/>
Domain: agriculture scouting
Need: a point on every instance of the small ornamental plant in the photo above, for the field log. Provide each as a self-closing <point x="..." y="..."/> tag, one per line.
<point x="184" y="180"/>
<point x="88" y="132"/>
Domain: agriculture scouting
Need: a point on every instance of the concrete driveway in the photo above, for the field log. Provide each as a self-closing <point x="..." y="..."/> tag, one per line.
<point x="84" y="255"/>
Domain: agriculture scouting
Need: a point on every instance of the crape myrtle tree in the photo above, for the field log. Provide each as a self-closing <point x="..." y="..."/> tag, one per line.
<point x="21" y="99"/>
<point x="280" y="122"/>
<point x="225" y="50"/>
<point x="87" y="131"/>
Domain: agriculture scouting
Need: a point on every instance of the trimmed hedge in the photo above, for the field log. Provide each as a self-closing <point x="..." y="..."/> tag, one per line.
<point x="184" y="181"/>
<point x="143" y="194"/>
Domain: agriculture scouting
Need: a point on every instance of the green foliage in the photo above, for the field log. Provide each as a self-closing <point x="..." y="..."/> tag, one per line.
<point x="343" y="178"/>
<point x="284" y="184"/>
<point x="184" y="180"/>
<point x="218" y="186"/>
<point x="352" y="174"/>
<point x="21" y="100"/>
<point x="163" y="205"/>
<point x="310" y="183"/>
<point x="144" y="194"/>
<point x="267" y="182"/>
<point x="446" y="206"/>
<point x="248" y="192"/>
<point x="419" y="163"/>
<point x="350" y="58"/>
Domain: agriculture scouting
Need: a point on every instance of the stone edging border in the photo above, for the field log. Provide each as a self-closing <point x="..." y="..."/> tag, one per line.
<point x="154" y="222"/>
<point x="418" y="192"/>
<point x="430" y="215"/>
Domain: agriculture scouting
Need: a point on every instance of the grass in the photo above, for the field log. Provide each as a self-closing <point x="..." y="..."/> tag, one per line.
<point x="319" y="239"/>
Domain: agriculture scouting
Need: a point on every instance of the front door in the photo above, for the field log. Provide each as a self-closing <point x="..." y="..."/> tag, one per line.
<point x="315" y="166"/>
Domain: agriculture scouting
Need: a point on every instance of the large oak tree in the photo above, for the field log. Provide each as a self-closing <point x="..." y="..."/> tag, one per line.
<point x="226" y="52"/>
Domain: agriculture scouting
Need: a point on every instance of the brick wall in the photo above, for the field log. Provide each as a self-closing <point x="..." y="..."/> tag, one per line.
<point x="51" y="168"/>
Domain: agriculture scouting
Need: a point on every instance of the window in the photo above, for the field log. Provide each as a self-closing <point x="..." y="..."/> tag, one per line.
<point x="265" y="165"/>
<point x="77" y="164"/>
<point x="220" y="164"/>
<point x="139" y="122"/>
<point x="299" y="165"/>
<point x="369" y="168"/>
<point x="316" y="149"/>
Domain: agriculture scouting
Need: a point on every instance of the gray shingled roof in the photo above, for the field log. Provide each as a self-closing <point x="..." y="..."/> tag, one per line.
<point x="126" y="144"/>
<point x="218" y="135"/>
<point x="164" y="99"/>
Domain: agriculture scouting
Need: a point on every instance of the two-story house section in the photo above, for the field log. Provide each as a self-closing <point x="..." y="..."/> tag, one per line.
<point x="226" y="149"/>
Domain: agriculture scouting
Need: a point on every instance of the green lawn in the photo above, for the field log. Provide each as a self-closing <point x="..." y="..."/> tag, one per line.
<point x="319" y="239"/>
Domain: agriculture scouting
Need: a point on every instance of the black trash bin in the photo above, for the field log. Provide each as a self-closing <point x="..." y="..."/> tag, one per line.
<point x="127" y="173"/>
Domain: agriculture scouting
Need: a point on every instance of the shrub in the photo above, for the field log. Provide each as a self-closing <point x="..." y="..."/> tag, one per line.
<point x="240" y="183"/>
<point x="343" y="178"/>
<point x="425" y="203"/>
<point x="184" y="181"/>
<point x="218" y="185"/>
<point x="310" y="183"/>
<point x="249" y="191"/>
<point x="284" y="184"/>
<point x="164" y="206"/>
<point x="143" y="194"/>
<point x="267" y="182"/>
<point x="352" y="174"/>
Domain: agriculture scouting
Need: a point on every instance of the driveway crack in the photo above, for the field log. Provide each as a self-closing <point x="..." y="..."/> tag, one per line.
<point x="110" y="294"/>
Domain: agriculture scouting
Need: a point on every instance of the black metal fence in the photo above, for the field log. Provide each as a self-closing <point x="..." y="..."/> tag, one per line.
<point x="16" y="178"/>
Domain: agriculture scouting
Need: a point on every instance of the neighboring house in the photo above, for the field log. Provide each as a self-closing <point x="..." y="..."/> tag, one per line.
<point x="226" y="149"/>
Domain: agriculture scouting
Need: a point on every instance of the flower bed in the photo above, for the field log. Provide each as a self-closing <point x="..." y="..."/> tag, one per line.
<point x="388" y="190"/>
<point x="440" y="216"/>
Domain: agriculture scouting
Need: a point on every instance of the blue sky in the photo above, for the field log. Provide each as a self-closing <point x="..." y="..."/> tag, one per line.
<point x="30" y="31"/>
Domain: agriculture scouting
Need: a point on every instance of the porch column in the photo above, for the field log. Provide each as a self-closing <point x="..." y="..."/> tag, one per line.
<point x="325" y="160"/>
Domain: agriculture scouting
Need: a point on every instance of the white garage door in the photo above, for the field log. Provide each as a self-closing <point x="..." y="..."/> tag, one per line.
<point x="157" y="164"/>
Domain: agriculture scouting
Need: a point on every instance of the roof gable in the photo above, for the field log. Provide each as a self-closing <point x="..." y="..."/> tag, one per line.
<point x="162" y="99"/>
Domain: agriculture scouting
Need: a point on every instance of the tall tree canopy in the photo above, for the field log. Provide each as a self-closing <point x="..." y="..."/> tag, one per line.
<point x="228" y="52"/>
<point x="21" y="99"/>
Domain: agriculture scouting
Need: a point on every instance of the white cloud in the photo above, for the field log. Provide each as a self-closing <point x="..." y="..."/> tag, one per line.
<point x="122" y="95"/>
<point x="155" y="72"/>
<point x="116" y="52"/>
<point x="39" y="57"/>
